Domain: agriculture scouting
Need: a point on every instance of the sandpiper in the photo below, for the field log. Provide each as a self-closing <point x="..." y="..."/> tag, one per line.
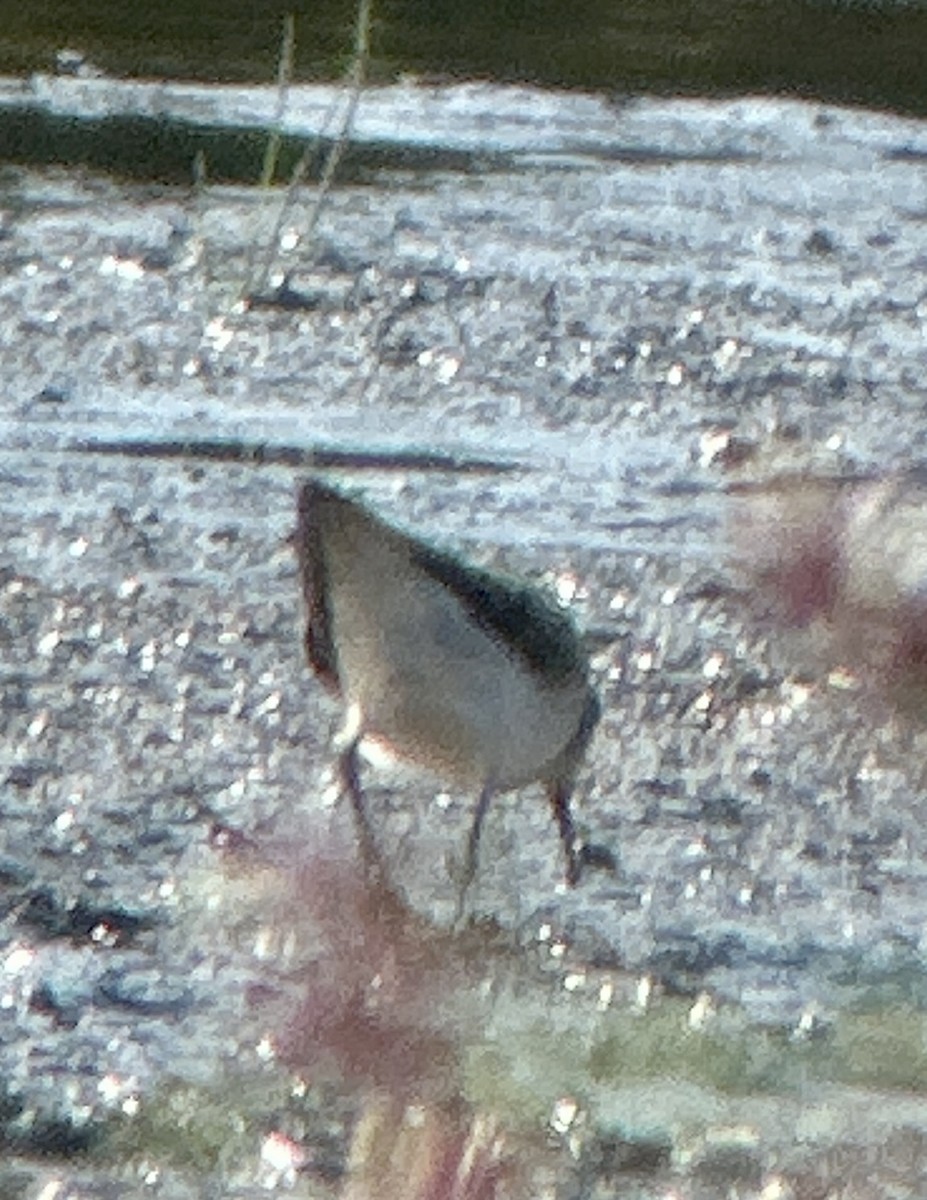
<point x="479" y="678"/>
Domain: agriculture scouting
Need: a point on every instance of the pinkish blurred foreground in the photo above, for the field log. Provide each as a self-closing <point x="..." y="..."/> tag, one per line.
<point x="846" y="564"/>
<point x="425" y="1153"/>
<point x="387" y="1003"/>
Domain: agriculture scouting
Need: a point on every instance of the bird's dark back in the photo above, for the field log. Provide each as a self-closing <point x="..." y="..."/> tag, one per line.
<point x="517" y="614"/>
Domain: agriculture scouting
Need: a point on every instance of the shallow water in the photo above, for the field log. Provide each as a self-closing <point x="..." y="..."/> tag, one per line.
<point x="593" y="321"/>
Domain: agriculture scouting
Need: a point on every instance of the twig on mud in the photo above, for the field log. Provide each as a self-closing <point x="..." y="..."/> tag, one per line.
<point x="236" y="450"/>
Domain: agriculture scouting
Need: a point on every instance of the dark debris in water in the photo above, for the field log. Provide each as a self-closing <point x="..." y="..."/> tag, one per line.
<point x="263" y="454"/>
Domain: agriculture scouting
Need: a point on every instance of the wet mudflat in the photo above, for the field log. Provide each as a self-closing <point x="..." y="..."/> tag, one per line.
<point x="597" y="324"/>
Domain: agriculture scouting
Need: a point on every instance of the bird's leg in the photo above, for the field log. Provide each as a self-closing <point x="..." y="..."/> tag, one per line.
<point x="577" y="856"/>
<point x="473" y="840"/>
<point x="349" y="772"/>
<point x="347" y="742"/>
<point x="468" y="870"/>
<point x="559" y="795"/>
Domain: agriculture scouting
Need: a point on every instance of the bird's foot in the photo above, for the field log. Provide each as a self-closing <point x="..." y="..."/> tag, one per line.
<point x="589" y="854"/>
